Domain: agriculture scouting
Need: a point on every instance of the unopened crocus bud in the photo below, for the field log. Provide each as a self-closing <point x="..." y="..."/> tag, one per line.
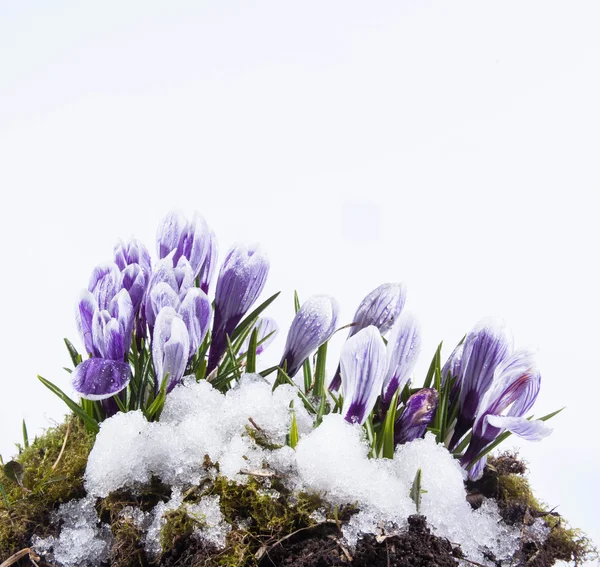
<point x="208" y="268"/>
<point x="379" y="308"/>
<point x="190" y="240"/>
<point x="170" y="347"/>
<point x="514" y="389"/>
<point x="132" y="252"/>
<point x="105" y="282"/>
<point x="417" y="415"/>
<point x="266" y="327"/>
<point x="135" y="281"/>
<point x="313" y="325"/>
<point x="196" y="312"/>
<point x="84" y="315"/>
<point x="364" y="364"/>
<point x="112" y="328"/>
<point x="241" y="280"/>
<point x="485" y="347"/>
<point x="403" y="348"/>
<point x="100" y="378"/>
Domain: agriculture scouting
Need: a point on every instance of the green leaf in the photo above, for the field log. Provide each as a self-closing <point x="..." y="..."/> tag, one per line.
<point x="120" y="404"/>
<point x="248" y="321"/>
<point x="157" y="405"/>
<point x="25" y="436"/>
<point x="416" y="491"/>
<point x="435" y="363"/>
<point x="14" y="471"/>
<point x="285" y="379"/>
<point x="75" y="408"/>
<point x="319" y="387"/>
<point x="251" y="355"/>
<point x="296" y="302"/>
<point x="293" y="436"/>
<point x="76" y="358"/>
<point x="387" y="437"/>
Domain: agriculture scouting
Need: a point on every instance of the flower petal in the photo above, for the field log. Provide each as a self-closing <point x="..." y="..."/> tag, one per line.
<point x="531" y="430"/>
<point x="363" y="364"/>
<point x="169" y="233"/>
<point x="380" y="308"/>
<point x="196" y="312"/>
<point x="99" y="378"/>
<point x="84" y="316"/>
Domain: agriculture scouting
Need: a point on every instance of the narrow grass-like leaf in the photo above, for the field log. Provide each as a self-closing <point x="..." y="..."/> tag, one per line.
<point x="371" y="436"/>
<point x="319" y="387"/>
<point x="435" y="363"/>
<point x="157" y="405"/>
<point x="248" y="320"/>
<point x="251" y="355"/>
<point x="25" y="436"/>
<point x="387" y="434"/>
<point x="285" y="379"/>
<point x="76" y="358"/>
<point x="293" y="435"/>
<point x="75" y="408"/>
<point x="122" y="406"/>
<point x="4" y="495"/>
<point x="416" y="491"/>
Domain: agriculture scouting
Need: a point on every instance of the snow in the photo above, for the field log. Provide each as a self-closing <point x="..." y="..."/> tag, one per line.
<point x="331" y="460"/>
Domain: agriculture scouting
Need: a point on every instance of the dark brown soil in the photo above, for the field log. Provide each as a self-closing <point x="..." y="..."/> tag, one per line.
<point x="417" y="547"/>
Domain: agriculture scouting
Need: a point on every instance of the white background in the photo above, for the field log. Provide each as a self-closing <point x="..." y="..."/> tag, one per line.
<point x="450" y="145"/>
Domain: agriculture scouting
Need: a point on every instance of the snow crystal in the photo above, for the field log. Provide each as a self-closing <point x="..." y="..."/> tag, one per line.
<point x="83" y="540"/>
<point x="214" y="528"/>
<point x="152" y="540"/>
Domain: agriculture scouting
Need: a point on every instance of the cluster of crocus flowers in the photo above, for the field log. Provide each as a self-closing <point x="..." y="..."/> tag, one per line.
<point x="145" y="326"/>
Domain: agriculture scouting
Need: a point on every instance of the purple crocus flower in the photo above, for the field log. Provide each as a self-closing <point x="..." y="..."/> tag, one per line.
<point x="196" y="312"/>
<point x="379" y="308"/>
<point x="100" y="378"/>
<point x="190" y="240"/>
<point x="170" y="347"/>
<point x="207" y="270"/>
<point x="132" y="252"/>
<point x="417" y="415"/>
<point x="105" y="282"/>
<point x="403" y="348"/>
<point x="364" y="364"/>
<point x="112" y="328"/>
<point x="313" y="325"/>
<point x="135" y="281"/>
<point x="452" y="366"/>
<point x="84" y="315"/>
<point x="178" y="279"/>
<point x="486" y="346"/>
<point x="241" y="280"/>
<point x="515" y="387"/>
<point x="267" y="327"/>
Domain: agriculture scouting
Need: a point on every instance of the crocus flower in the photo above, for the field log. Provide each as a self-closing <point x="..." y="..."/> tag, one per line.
<point x="379" y="308"/>
<point x="267" y="327"/>
<point x="196" y="312"/>
<point x="486" y="346"/>
<point x="207" y="270"/>
<point x="515" y="387"/>
<point x="364" y="364"/>
<point x="84" y="315"/>
<point x="112" y="328"/>
<point x="403" y="348"/>
<point x="313" y="325"/>
<point x="135" y="281"/>
<point x="105" y="282"/>
<point x="417" y="415"/>
<point x="100" y="378"/>
<point x="170" y="347"/>
<point x="241" y="280"/>
<point x="190" y="240"/>
<point x="179" y="279"/>
<point x="132" y="252"/>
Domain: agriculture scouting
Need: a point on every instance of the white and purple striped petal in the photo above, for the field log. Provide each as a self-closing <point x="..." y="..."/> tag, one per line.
<point x="84" y="316"/>
<point x="169" y="233"/>
<point x="380" y="308"/>
<point x="135" y="281"/>
<point x="241" y="280"/>
<point x="363" y="365"/>
<point x="403" y="348"/>
<point x="313" y="325"/>
<point x="161" y="295"/>
<point x="105" y="282"/>
<point x="208" y="268"/>
<point x="170" y="347"/>
<point x="196" y="312"/>
<point x="132" y="252"/>
<point x="99" y="378"/>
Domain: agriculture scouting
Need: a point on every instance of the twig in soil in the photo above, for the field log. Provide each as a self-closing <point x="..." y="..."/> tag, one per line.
<point x="342" y="547"/>
<point x="265" y="548"/>
<point x="19" y="555"/>
<point x="260" y="473"/>
<point x="62" y="449"/>
<point x="254" y="424"/>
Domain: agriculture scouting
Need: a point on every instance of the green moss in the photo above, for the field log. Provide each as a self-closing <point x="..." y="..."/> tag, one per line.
<point x="178" y="527"/>
<point x="47" y="482"/>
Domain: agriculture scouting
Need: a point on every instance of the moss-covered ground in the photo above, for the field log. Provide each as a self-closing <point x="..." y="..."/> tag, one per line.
<point x="266" y="519"/>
